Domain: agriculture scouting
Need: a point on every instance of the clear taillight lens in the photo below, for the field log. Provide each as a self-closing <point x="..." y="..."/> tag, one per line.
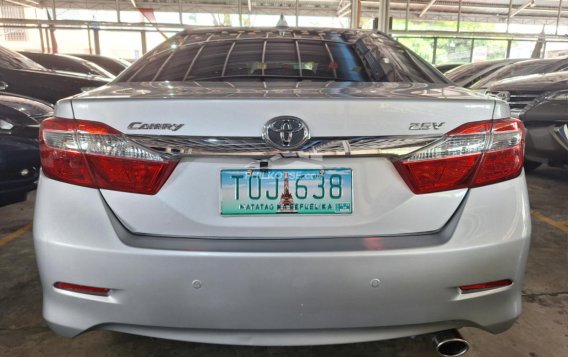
<point x="95" y="155"/>
<point x="471" y="155"/>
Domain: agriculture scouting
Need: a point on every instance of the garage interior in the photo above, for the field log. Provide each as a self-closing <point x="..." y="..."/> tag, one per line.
<point x="440" y="31"/>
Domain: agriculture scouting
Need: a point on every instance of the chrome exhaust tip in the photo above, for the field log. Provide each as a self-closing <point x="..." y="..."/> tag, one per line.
<point x="450" y="343"/>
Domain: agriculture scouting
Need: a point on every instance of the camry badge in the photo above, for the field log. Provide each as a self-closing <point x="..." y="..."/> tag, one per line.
<point x="154" y="126"/>
<point x="286" y="132"/>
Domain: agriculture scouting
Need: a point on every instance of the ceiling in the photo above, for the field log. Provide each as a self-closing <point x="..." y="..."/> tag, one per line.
<point x="523" y="11"/>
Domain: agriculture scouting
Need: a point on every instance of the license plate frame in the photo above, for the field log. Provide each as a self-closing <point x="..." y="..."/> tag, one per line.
<point x="335" y="198"/>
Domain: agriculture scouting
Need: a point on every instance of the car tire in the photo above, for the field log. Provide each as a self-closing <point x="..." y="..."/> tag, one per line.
<point x="531" y="165"/>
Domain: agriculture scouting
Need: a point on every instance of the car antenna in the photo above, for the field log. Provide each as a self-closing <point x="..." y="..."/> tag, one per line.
<point x="282" y="25"/>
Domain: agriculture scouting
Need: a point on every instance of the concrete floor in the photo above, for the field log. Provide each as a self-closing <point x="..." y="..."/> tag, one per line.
<point x="542" y="330"/>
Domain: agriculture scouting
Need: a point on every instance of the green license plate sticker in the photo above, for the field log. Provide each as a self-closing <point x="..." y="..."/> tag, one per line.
<point x="250" y="192"/>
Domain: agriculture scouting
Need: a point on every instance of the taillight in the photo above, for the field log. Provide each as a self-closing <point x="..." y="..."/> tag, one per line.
<point x="474" y="154"/>
<point x="95" y="155"/>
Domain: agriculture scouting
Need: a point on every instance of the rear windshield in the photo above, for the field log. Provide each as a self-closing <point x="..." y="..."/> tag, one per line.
<point x="270" y="55"/>
<point x="13" y="60"/>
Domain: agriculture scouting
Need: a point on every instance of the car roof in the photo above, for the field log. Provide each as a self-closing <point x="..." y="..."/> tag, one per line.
<point x="111" y="64"/>
<point x="53" y="55"/>
<point x="539" y="82"/>
<point x="464" y="76"/>
<point x="555" y="62"/>
<point x="191" y="35"/>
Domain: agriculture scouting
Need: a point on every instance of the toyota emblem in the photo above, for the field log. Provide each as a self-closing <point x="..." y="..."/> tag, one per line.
<point x="286" y="132"/>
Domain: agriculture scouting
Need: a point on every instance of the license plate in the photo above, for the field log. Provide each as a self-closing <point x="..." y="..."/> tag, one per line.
<point x="250" y="192"/>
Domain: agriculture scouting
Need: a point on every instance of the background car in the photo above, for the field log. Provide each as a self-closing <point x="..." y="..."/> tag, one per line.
<point x="21" y="75"/>
<point x="519" y="92"/>
<point x="467" y="74"/>
<point x="113" y="65"/>
<point x="546" y="120"/>
<point x="67" y="63"/>
<point x="20" y="116"/>
<point x="19" y="168"/>
<point x="523" y="68"/>
<point x="447" y="67"/>
<point x="19" y="152"/>
<point x="541" y="101"/>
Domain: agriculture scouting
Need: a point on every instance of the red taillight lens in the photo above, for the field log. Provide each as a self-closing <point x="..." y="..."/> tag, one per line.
<point x="138" y="176"/>
<point x="440" y="174"/>
<point x="484" y="286"/>
<point x="504" y="157"/>
<point x="474" y="154"/>
<point x="93" y="154"/>
<point x="83" y="289"/>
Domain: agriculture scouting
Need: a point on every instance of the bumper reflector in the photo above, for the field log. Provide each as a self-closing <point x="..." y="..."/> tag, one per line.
<point x="484" y="286"/>
<point x="83" y="289"/>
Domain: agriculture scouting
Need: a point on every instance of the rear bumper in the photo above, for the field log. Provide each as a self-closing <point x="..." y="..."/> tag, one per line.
<point x="281" y="298"/>
<point x="267" y="337"/>
<point x="547" y="143"/>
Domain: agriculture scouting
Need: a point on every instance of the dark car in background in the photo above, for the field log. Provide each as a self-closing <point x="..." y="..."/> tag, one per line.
<point x="19" y="168"/>
<point x="113" y="65"/>
<point x="67" y="63"/>
<point x="446" y="67"/>
<point x="541" y="102"/>
<point x="546" y="120"/>
<point x="523" y="68"/>
<point x="20" y="116"/>
<point x="20" y="75"/>
<point x="19" y="151"/>
<point x="468" y="74"/>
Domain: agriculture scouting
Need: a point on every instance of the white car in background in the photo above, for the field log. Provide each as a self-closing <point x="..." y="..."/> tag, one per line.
<point x="292" y="187"/>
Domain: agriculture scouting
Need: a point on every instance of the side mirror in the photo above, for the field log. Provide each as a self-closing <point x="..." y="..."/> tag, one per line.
<point x="3" y="85"/>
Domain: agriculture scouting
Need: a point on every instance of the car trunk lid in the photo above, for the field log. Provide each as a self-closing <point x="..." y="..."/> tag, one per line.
<point x="188" y="205"/>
